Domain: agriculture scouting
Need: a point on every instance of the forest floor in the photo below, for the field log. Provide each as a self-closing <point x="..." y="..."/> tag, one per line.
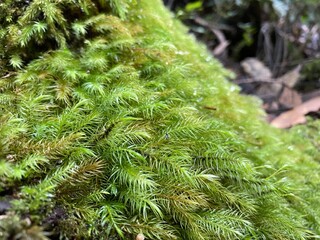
<point x="284" y="98"/>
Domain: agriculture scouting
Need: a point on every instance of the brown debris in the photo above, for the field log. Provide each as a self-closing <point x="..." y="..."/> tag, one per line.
<point x="277" y="93"/>
<point x="290" y="98"/>
<point x="291" y="78"/>
<point x="256" y="69"/>
<point x="223" y="43"/>
<point x="297" y="115"/>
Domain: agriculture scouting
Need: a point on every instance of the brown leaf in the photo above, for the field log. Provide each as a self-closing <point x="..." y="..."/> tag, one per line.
<point x="271" y="107"/>
<point x="271" y="90"/>
<point x="290" y="98"/>
<point x="291" y="78"/>
<point x="256" y="69"/>
<point x="296" y="115"/>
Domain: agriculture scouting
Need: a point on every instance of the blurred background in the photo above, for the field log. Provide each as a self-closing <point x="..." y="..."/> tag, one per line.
<point x="272" y="46"/>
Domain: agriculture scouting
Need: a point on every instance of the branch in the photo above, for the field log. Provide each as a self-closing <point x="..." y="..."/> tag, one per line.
<point x="223" y="43"/>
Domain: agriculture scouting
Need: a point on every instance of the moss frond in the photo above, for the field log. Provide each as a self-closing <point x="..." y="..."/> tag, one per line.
<point x="114" y="122"/>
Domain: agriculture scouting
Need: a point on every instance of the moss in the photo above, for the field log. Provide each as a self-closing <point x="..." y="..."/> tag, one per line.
<point x="115" y="122"/>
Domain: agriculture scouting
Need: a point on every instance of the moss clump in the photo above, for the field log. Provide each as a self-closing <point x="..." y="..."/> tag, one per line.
<point x="114" y="122"/>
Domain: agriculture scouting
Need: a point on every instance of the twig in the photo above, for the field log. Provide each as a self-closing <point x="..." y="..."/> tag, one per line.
<point x="223" y="43"/>
<point x="6" y="76"/>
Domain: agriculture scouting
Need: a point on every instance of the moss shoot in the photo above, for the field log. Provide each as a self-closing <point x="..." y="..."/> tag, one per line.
<point x="114" y="122"/>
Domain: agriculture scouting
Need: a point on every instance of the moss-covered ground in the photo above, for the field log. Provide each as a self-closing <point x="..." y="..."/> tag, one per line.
<point x="115" y="122"/>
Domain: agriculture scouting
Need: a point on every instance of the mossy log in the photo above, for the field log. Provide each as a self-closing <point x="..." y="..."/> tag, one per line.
<point x="115" y="123"/>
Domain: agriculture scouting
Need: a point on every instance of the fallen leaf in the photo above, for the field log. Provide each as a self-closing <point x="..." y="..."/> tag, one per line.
<point x="269" y="91"/>
<point x="290" y="78"/>
<point x="297" y="114"/>
<point x="256" y="69"/>
<point x="290" y="98"/>
<point x="271" y="107"/>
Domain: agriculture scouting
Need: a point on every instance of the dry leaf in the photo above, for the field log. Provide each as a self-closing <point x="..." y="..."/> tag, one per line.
<point x="270" y="90"/>
<point x="296" y="115"/>
<point x="290" y="98"/>
<point x="271" y="107"/>
<point x="291" y="78"/>
<point x="256" y="69"/>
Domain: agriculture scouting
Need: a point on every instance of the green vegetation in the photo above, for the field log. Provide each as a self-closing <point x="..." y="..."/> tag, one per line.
<point x="115" y="122"/>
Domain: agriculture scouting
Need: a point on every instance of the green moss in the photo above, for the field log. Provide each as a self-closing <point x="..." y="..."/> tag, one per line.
<point x="116" y="122"/>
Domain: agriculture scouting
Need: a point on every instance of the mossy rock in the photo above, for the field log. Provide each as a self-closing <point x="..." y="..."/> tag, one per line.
<point x="115" y="122"/>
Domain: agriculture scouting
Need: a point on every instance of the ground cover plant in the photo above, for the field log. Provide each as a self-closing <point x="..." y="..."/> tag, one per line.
<point x="114" y="122"/>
